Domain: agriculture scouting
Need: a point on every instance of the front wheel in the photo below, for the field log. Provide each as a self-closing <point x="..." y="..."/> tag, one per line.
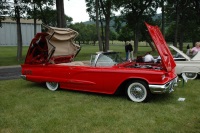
<point x="52" y="85"/>
<point x="137" y="91"/>
<point x="190" y="75"/>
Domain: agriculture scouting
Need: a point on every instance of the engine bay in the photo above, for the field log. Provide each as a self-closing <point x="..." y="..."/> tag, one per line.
<point x="155" y="66"/>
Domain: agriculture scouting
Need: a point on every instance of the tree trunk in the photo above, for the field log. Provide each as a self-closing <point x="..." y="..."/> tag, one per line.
<point x="43" y="16"/>
<point x="34" y="19"/>
<point x="163" y="19"/>
<point x="148" y="40"/>
<point x="107" y="33"/>
<point x="58" y="13"/>
<point x="181" y="40"/>
<point x="97" y="25"/>
<point x="176" y="28"/>
<point x="19" y="33"/>
<point x="102" y="35"/>
<point x="136" y="39"/>
<point x="106" y="8"/>
<point x="19" y="40"/>
<point x="61" y="21"/>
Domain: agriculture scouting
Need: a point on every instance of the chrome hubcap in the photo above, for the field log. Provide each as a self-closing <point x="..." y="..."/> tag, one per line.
<point x="53" y="84"/>
<point x="137" y="92"/>
<point x="191" y="75"/>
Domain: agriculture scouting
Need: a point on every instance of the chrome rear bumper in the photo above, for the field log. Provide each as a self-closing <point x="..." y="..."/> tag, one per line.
<point x="166" y="88"/>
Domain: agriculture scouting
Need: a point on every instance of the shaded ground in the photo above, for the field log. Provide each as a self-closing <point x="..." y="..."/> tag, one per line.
<point x="10" y="72"/>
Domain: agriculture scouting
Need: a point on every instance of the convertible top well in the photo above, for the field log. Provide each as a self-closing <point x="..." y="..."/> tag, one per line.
<point x="54" y="46"/>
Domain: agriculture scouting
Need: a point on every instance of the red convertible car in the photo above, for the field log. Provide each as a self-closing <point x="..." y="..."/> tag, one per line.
<point x="50" y="59"/>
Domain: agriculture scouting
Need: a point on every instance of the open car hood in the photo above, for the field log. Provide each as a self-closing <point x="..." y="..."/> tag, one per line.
<point x="180" y="52"/>
<point x="196" y="57"/>
<point x="162" y="47"/>
<point x="54" y="46"/>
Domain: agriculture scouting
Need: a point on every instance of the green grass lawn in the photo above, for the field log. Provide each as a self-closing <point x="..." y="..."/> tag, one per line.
<point x="8" y="55"/>
<point x="27" y="107"/>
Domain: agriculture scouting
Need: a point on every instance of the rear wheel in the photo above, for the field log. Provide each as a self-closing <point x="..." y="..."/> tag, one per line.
<point x="190" y="75"/>
<point x="52" y="85"/>
<point x="137" y="91"/>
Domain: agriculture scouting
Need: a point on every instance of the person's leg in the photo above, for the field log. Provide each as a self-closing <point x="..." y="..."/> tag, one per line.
<point x="132" y="57"/>
<point x="126" y="56"/>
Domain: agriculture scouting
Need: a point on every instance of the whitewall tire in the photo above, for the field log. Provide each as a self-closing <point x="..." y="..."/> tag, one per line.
<point x="190" y="75"/>
<point x="137" y="91"/>
<point x="52" y="85"/>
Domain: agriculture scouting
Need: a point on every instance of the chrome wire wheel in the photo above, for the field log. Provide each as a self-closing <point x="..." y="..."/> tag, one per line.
<point x="52" y="85"/>
<point x="190" y="75"/>
<point x="137" y="91"/>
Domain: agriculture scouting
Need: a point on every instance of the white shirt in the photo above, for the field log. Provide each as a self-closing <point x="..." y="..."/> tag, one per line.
<point x="149" y="58"/>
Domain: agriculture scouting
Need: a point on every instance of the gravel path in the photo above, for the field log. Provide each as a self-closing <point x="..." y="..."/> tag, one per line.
<point x="10" y="72"/>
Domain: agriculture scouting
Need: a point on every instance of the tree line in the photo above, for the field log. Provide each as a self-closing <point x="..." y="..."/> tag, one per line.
<point x="179" y="20"/>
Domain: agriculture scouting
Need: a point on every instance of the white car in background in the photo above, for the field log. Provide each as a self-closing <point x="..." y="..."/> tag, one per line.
<point x="188" y="66"/>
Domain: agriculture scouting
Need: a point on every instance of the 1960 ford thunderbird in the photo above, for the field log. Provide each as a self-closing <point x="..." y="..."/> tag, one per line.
<point x="50" y="59"/>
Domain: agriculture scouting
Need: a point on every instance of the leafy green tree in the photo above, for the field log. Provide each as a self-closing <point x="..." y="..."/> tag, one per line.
<point x="86" y="32"/>
<point x="105" y="12"/>
<point x="162" y="5"/>
<point x="182" y="17"/>
<point x="17" y="10"/>
<point x="92" y="35"/>
<point x="106" y="9"/>
<point x="173" y="8"/>
<point x="95" y="14"/>
<point x="81" y="29"/>
<point x="113" y="35"/>
<point x="40" y="9"/>
<point x="134" y="12"/>
<point x="2" y="9"/>
<point x="125" y="34"/>
<point x="195" y="25"/>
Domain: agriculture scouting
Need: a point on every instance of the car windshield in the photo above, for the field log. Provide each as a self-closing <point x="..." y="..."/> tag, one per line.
<point x="106" y="59"/>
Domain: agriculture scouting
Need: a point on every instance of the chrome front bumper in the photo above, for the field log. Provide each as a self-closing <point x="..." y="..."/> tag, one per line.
<point x="23" y="77"/>
<point x="166" y="88"/>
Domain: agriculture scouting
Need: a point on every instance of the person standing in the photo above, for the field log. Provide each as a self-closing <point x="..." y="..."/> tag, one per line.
<point x="195" y="49"/>
<point x="188" y="50"/>
<point x="127" y="51"/>
<point x="188" y="46"/>
<point x="130" y="49"/>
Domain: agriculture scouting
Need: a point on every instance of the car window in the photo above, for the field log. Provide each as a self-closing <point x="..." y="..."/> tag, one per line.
<point x="92" y="59"/>
<point x="105" y="60"/>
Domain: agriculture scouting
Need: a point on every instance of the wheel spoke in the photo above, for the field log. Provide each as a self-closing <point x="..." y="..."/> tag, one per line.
<point x="137" y="92"/>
